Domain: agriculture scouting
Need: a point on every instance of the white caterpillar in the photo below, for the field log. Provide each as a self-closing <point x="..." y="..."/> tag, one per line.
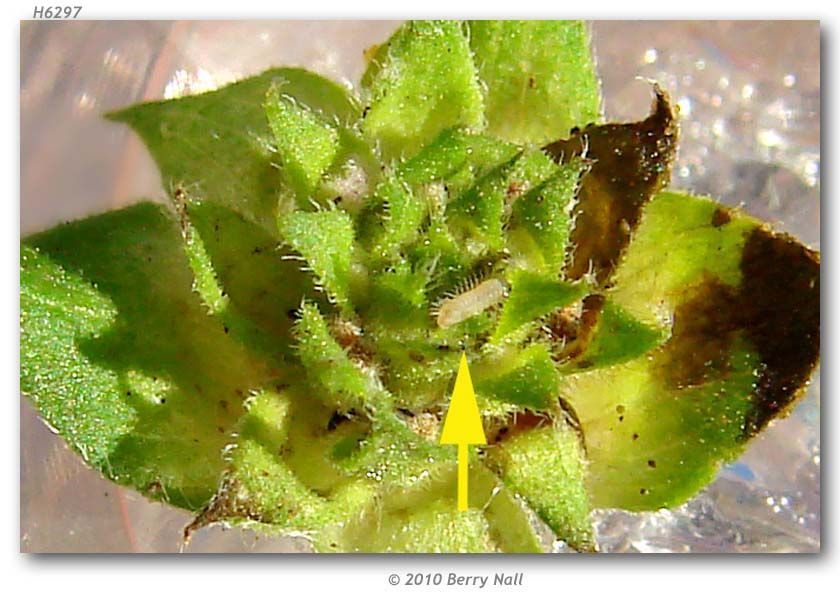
<point x="470" y="302"/>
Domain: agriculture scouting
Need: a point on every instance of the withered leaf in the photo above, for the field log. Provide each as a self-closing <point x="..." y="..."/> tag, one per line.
<point x="631" y="162"/>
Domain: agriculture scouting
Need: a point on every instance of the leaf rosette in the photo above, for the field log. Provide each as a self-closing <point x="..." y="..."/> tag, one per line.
<point x="276" y="347"/>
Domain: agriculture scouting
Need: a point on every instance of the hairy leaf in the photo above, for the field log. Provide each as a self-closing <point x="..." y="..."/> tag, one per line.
<point x="252" y="289"/>
<point x="539" y="78"/>
<point x="421" y="82"/>
<point x="121" y="358"/>
<point x="328" y="364"/>
<point x="306" y="142"/>
<point x="325" y="241"/>
<point x="525" y="378"/>
<point x="533" y="296"/>
<point x="278" y="351"/>
<point x="545" y="463"/>
<point x="219" y="145"/>
<point x="541" y="220"/>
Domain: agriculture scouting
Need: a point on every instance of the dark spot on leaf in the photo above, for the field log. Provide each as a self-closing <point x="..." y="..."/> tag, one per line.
<point x="570" y="416"/>
<point x="500" y="435"/>
<point x="336" y="419"/>
<point x="416" y="356"/>
<point x="703" y="330"/>
<point x="224" y="505"/>
<point x="575" y="332"/>
<point x="721" y="217"/>
<point x="776" y="308"/>
<point x="517" y="423"/>
<point x="780" y="304"/>
<point x="652" y="464"/>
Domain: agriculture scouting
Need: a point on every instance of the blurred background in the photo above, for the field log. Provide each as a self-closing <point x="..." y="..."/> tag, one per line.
<point x="749" y="96"/>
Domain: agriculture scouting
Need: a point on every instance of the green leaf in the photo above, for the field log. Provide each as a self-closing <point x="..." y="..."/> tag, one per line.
<point x="325" y="241"/>
<point x="279" y="477"/>
<point x="681" y="239"/>
<point x="259" y="485"/>
<point x="419" y="370"/>
<point x="399" y="219"/>
<point x="400" y="299"/>
<point x="456" y="158"/>
<point x="437" y="526"/>
<point x="546" y="465"/>
<point x="478" y="214"/>
<point x="539" y="78"/>
<point x="119" y="355"/>
<point x="241" y="261"/>
<point x="743" y="308"/>
<point x="327" y="363"/>
<point x="421" y="82"/>
<point x="306" y="142"/>
<point x="219" y="144"/>
<point x="440" y="158"/>
<point x="510" y="525"/>
<point x="652" y="444"/>
<point x="617" y="338"/>
<point x="541" y="221"/>
<point x="494" y="521"/>
<point x="533" y="295"/>
<point x="642" y="338"/>
<point x="420" y="518"/>
<point x="524" y="378"/>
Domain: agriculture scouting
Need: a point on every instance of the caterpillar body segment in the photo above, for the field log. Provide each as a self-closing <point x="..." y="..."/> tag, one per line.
<point x="470" y="302"/>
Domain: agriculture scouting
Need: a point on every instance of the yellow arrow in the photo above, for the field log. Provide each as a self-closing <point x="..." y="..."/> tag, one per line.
<point x="463" y="427"/>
